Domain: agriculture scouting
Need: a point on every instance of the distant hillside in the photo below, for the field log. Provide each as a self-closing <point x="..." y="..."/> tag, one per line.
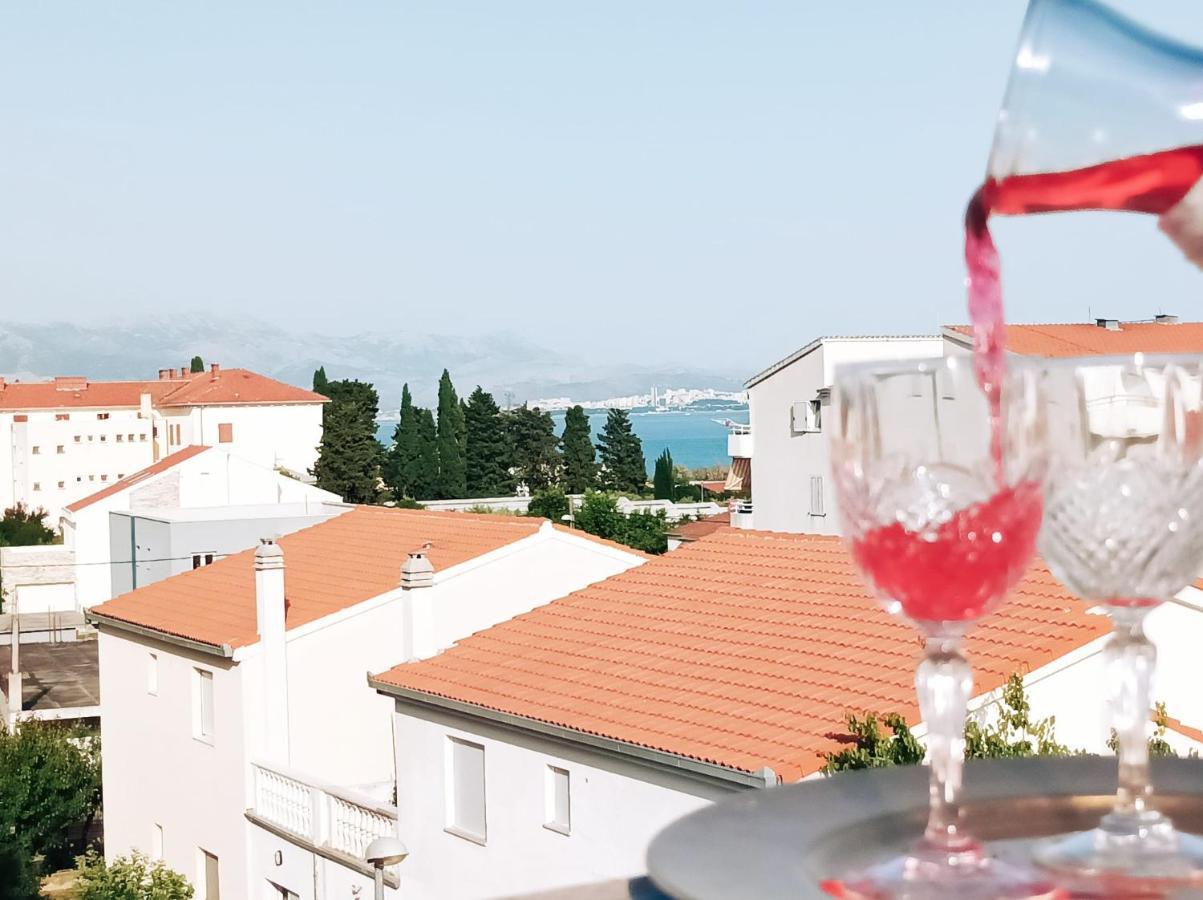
<point x="501" y="363"/>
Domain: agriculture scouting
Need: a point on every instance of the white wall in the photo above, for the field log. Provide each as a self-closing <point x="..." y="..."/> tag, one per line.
<point x="616" y="808"/>
<point x="286" y="434"/>
<point x="155" y="771"/>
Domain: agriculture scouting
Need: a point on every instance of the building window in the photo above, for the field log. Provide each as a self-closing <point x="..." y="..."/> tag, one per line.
<point x="142" y="437"/>
<point x="104" y="477"/>
<point x="201" y="559"/>
<point x="152" y="673"/>
<point x="91" y="437"/>
<point x="79" y="478"/>
<point x="465" y="790"/>
<point x="209" y="879"/>
<point x="60" y="449"/>
<point x="36" y="450"/>
<point x="21" y="418"/>
<point x="102" y="415"/>
<point x="77" y="439"/>
<point x="816" y="495"/>
<point x="62" y="417"/>
<point x="120" y="438"/>
<point x="156" y="841"/>
<point x="61" y="485"/>
<point x="557" y="805"/>
<point x="202" y="704"/>
<point x="225" y="433"/>
<point x="120" y="475"/>
<point x="37" y="485"/>
<point x="131" y="438"/>
<point x="103" y="438"/>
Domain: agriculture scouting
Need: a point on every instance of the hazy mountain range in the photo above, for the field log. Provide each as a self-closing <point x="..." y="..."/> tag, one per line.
<point x="502" y="363"/>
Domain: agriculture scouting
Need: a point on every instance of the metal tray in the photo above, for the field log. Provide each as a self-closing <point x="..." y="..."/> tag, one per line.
<point x="781" y="842"/>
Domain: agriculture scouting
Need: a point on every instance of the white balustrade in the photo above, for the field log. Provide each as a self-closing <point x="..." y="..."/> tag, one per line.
<point x="322" y="815"/>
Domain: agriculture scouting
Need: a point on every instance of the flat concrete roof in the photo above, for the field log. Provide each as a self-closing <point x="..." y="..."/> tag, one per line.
<point x="55" y="676"/>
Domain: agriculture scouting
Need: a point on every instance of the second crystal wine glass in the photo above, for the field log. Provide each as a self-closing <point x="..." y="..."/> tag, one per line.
<point x="939" y="490"/>
<point x="1123" y="528"/>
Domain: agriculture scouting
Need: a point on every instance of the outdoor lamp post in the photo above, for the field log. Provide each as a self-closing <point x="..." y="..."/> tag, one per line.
<point x="384" y="851"/>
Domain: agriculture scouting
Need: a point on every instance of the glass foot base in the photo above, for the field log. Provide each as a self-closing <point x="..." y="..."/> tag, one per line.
<point x="1134" y="855"/>
<point x="930" y="872"/>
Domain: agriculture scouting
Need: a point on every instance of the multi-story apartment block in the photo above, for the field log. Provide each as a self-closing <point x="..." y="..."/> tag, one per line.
<point x="64" y="439"/>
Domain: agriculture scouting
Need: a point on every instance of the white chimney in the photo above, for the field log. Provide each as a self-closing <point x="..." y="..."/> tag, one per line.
<point x="417" y="575"/>
<point x="273" y="658"/>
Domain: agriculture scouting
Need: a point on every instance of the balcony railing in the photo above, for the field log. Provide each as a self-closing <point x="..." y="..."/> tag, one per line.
<point x="335" y="819"/>
<point x="741" y="513"/>
<point x="739" y="441"/>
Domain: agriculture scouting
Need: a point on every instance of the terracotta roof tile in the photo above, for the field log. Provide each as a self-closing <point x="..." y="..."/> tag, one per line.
<point x="167" y="462"/>
<point x="692" y="531"/>
<point x="235" y="386"/>
<point x="745" y="649"/>
<point x="328" y="567"/>
<point x="1052" y="341"/>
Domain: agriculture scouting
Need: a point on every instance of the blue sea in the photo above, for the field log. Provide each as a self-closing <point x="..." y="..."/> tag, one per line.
<point x="693" y="437"/>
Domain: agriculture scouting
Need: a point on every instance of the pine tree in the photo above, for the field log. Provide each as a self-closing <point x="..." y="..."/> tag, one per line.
<point x="621" y="451"/>
<point x="580" y="464"/>
<point x="452" y="440"/>
<point x="662" y="479"/>
<point x="422" y="474"/>
<point x="536" y="457"/>
<point x="198" y="365"/>
<point x="487" y="460"/>
<point x="404" y="451"/>
<point x="320" y="381"/>
<point x="348" y="460"/>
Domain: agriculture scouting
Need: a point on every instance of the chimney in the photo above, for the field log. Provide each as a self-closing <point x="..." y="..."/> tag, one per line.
<point x="1" y="382"/>
<point x="214" y="371"/>
<point x="270" y="606"/>
<point x="1165" y="319"/>
<point x="183" y="371"/>
<point x="164" y="374"/>
<point x="1109" y="324"/>
<point x="417" y="606"/>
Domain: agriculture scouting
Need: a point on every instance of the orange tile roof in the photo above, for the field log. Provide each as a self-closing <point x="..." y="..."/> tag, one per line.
<point x="744" y="649"/>
<point x="328" y="567"/>
<point x="692" y="531"/>
<point x="1186" y="731"/>
<point x="232" y="386"/>
<point x="167" y="462"/>
<point x="1091" y="340"/>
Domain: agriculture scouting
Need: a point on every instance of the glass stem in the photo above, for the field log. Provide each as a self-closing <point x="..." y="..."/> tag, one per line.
<point x="944" y="682"/>
<point x="1129" y="660"/>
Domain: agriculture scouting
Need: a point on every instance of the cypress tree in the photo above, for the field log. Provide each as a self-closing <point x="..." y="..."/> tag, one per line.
<point x="422" y="476"/>
<point x="580" y="463"/>
<point x="404" y="451"/>
<point x="487" y="459"/>
<point x="198" y="365"/>
<point x="536" y="457"/>
<point x="452" y="439"/>
<point x="320" y="381"/>
<point x="662" y="480"/>
<point x="348" y="460"/>
<point x="621" y="451"/>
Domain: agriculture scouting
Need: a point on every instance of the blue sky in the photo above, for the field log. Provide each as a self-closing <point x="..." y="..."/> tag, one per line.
<point x="729" y="179"/>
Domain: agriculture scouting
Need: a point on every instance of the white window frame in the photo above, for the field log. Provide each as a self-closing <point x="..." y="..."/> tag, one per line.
<point x="817" y="507"/>
<point x="451" y="778"/>
<point x="203" y="715"/>
<point x="156" y="841"/>
<point x="202" y="875"/>
<point x="806" y="416"/>
<point x="555" y="778"/>
<point x="152" y="674"/>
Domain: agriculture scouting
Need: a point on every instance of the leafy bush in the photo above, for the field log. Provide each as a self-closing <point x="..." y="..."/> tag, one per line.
<point x="132" y="877"/>
<point x="18" y="881"/>
<point x="550" y="503"/>
<point x="599" y="515"/>
<point x="646" y="531"/>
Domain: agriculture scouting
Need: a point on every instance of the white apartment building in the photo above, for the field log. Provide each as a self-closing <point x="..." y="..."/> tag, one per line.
<point x="64" y="439"/>
<point x="547" y="751"/>
<point x="242" y="742"/>
<point x="784" y="445"/>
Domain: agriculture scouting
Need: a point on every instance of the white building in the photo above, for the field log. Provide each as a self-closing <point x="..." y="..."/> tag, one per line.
<point x="242" y="743"/>
<point x="547" y="751"/>
<point x="191" y="479"/>
<point x="64" y="439"/>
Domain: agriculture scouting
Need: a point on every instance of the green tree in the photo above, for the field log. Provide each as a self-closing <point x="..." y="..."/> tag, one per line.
<point x="348" y="460"/>
<point x="133" y="877"/>
<point x="578" y="453"/>
<point x="646" y="531"/>
<point x="663" y="481"/>
<point x="1158" y="745"/>
<point x="621" y="451"/>
<point x="535" y="447"/>
<point x="422" y="476"/>
<point x="21" y="526"/>
<point x="452" y="442"/>
<point x="599" y="515"/>
<point x="550" y="503"/>
<point x="198" y="365"/>
<point x="402" y="455"/>
<point x="1012" y="734"/>
<point x="320" y="382"/>
<point x="487" y="462"/>
<point x="50" y="789"/>
<point x="18" y="878"/>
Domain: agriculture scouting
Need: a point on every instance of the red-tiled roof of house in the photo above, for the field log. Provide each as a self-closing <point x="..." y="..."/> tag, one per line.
<point x="1187" y="731"/>
<point x="692" y="531"/>
<point x="226" y="387"/>
<point x="163" y="465"/>
<point x="1092" y="340"/>
<point x="328" y="567"/>
<point x="744" y="649"/>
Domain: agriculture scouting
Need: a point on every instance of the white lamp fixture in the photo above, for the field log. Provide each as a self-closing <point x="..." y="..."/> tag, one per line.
<point x="384" y="851"/>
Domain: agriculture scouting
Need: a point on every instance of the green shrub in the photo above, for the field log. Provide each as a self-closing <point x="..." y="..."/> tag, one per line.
<point x="132" y="877"/>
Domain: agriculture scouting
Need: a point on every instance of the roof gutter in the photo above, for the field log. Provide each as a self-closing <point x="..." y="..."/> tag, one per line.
<point x="223" y="650"/>
<point x="656" y="759"/>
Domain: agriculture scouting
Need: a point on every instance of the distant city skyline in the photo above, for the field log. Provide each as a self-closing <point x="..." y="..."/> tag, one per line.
<point x="600" y="178"/>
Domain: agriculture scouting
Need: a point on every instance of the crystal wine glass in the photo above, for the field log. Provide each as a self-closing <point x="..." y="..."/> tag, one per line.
<point x="940" y="493"/>
<point x="1123" y="528"/>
